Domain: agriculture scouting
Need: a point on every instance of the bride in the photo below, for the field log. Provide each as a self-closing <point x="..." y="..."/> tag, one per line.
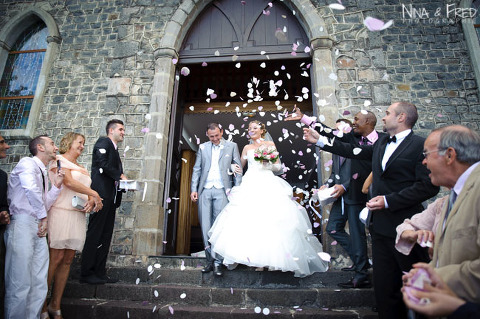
<point x="262" y="226"/>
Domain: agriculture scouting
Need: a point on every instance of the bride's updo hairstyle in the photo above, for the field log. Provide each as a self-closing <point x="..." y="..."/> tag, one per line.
<point x="67" y="141"/>
<point x="262" y="126"/>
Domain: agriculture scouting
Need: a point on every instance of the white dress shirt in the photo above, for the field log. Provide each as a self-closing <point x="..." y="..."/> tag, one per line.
<point x="26" y="189"/>
<point x="392" y="146"/>
<point x="214" y="179"/>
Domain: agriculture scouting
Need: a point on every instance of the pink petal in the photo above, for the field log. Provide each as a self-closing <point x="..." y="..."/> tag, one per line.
<point x="204" y="64"/>
<point x="355" y="176"/>
<point x="346" y="112"/>
<point x="315" y="225"/>
<point x="267" y="13"/>
<point x="171" y="309"/>
<point x="334" y="243"/>
<point x="174" y="61"/>
<point x="145" y="130"/>
<point x="213" y="96"/>
<point x="374" y="24"/>
<point x="210" y="108"/>
<point x="293" y="53"/>
<point x="169" y="200"/>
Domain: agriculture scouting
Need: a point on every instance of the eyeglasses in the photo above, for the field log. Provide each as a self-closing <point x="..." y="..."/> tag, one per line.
<point x="425" y="154"/>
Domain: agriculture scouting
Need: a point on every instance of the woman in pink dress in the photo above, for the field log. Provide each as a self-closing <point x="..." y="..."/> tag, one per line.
<point x="66" y="224"/>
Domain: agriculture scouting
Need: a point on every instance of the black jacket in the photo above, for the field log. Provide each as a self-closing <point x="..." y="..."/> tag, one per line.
<point x="106" y="170"/>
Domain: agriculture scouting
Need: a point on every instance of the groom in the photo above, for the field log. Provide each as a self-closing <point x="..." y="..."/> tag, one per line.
<point x="211" y="182"/>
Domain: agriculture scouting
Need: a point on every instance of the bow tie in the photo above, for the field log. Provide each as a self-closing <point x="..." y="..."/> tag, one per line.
<point x="392" y="139"/>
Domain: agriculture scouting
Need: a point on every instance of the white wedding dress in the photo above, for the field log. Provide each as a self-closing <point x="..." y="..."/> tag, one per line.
<point x="262" y="226"/>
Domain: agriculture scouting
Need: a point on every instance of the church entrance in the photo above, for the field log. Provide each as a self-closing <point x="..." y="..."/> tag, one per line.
<point x="237" y="64"/>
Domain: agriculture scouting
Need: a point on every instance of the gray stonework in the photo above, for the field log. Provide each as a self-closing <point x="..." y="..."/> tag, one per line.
<point x="114" y="61"/>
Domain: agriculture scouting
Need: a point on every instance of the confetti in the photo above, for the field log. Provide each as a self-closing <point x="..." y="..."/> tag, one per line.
<point x="171" y="309"/>
<point x="174" y="61"/>
<point x="374" y="24"/>
<point x="334" y="243"/>
<point x="155" y="293"/>
<point x="137" y="281"/>
<point x="183" y="296"/>
<point x="204" y="64"/>
<point x="266" y="311"/>
<point x="355" y="176"/>
<point x="185" y="71"/>
<point x="102" y="150"/>
<point x="148" y="116"/>
<point x="324" y="256"/>
<point x="182" y="267"/>
<point x="145" y="130"/>
<point x="356" y="150"/>
<point x="336" y="6"/>
<point x="258" y="309"/>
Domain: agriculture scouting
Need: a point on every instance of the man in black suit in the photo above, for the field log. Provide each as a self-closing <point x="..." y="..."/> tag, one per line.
<point x="400" y="185"/>
<point x="4" y="220"/>
<point x="349" y="179"/>
<point x="106" y="173"/>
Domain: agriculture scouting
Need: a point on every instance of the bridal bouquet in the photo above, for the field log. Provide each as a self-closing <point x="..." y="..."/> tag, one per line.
<point x="266" y="154"/>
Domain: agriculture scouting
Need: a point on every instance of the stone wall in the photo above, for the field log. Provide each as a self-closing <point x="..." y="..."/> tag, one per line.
<point x="106" y="65"/>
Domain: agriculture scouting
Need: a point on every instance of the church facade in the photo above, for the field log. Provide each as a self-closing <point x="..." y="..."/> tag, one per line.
<point x="164" y="67"/>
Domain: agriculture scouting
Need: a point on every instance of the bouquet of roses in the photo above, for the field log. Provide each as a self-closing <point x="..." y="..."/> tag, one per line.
<point x="266" y="154"/>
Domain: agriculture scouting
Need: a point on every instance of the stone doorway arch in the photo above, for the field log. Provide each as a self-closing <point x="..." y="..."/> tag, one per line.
<point x="150" y="220"/>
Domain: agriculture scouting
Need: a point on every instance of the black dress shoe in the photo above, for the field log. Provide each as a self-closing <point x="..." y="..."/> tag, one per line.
<point x="207" y="268"/>
<point x="218" y="270"/>
<point x="92" y="280"/>
<point x="109" y="280"/>
<point x="351" y="268"/>
<point x="356" y="283"/>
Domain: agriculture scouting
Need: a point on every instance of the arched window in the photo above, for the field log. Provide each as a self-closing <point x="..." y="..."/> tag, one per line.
<point x="20" y="77"/>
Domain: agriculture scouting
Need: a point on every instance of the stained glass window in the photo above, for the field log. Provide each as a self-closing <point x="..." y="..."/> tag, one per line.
<point x="20" y="77"/>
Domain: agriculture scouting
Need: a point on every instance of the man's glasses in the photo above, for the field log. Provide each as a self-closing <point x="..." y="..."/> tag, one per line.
<point x="425" y="154"/>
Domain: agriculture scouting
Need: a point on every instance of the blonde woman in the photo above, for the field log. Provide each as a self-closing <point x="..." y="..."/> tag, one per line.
<point x="66" y="224"/>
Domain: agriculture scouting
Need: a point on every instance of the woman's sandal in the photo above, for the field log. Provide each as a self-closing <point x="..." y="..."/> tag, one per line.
<point x="54" y="313"/>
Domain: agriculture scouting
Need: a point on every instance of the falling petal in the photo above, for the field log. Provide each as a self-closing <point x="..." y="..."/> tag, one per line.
<point x="267" y="13"/>
<point x="145" y="130"/>
<point x="204" y="64"/>
<point x="155" y="293"/>
<point x="174" y="61"/>
<point x="171" y="309"/>
<point x="336" y="6"/>
<point x="148" y="116"/>
<point x="356" y="150"/>
<point x="217" y="53"/>
<point x="137" y="281"/>
<point x="355" y="176"/>
<point x="346" y="112"/>
<point x="324" y="256"/>
<point x="213" y="96"/>
<point x="263" y="65"/>
<point x="307" y="49"/>
<point x="183" y="296"/>
<point x="440" y="115"/>
<point x="333" y="76"/>
<point x="231" y="290"/>
<point x="238" y="65"/>
<point x="262" y="52"/>
<point x="266" y="311"/>
<point x="182" y="267"/>
<point x="315" y="225"/>
<point x="367" y="103"/>
<point x="374" y="24"/>
<point x="185" y="71"/>
<point x="258" y="309"/>
<point x="334" y="243"/>
<point x="100" y="170"/>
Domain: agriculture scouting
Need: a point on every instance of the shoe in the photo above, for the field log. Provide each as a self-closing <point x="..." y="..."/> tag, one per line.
<point x="109" y="280"/>
<point x="207" y="268"/>
<point x="218" y="270"/>
<point x="355" y="283"/>
<point x="351" y="268"/>
<point x="92" y="280"/>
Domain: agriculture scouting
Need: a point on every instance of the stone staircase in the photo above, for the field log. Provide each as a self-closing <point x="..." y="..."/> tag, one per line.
<point x="174" y="287"/>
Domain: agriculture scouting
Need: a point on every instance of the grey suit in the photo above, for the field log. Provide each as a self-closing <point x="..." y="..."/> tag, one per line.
<point x="212" y="201"/>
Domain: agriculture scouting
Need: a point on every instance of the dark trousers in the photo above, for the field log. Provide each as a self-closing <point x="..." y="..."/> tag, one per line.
<point x="388" y="265"/>
<point x="97" y="243"/>
<point x="354" y="243"/>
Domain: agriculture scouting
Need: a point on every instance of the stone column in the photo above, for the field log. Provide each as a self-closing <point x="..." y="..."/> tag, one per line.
<point x="323" y="82"/>
<point x="150" y="214"/>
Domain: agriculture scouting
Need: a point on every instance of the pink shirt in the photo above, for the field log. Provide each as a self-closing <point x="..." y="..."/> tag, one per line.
<point x="426" y="220"/>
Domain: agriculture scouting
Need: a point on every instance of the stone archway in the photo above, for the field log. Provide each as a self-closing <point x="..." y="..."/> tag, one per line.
<point x="148" y="236"/>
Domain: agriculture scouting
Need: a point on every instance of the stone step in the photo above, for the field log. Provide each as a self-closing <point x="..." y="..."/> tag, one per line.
<point x="211" y="296"/>
<point x="101" y="309"/>
<point x="241" y="277"/>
